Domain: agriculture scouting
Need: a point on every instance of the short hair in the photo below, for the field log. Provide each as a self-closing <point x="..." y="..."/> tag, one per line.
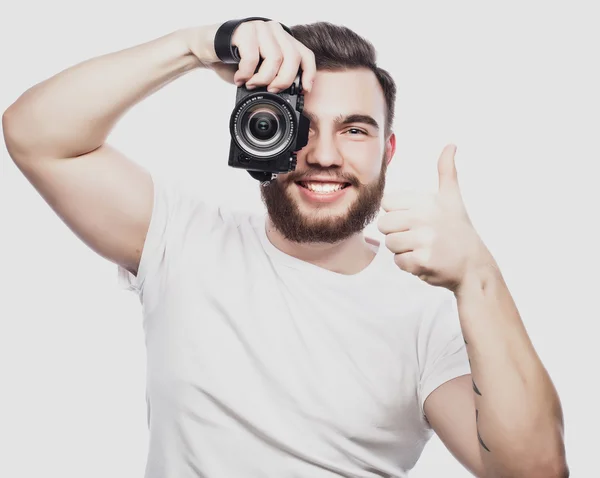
<point x="338" y="47"/>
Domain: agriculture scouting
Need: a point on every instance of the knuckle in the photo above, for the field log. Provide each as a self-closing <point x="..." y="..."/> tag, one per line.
<point x="423" y="257"/>
<point x="246" y="62"/>
<point x="277" y="58"/>
<point x="249" y="68"/>
<point x="249" y="57"/>
<point x="385" y="225"/>
<point x="270" y="65"/>
<point x="245" y="30"/>
<point x="274" y="25"/>
<point x="252" y="58"/>
<point x="310" y="55"/>
<point x="390" y="241"/>
<point x="245" y="73"/>
<point x="295" y="56"/>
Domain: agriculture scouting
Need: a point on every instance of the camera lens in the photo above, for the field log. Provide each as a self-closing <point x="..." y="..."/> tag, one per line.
<point x="263" y="125"/>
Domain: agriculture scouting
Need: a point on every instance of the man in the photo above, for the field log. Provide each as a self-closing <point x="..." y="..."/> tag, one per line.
<point x="290" y="344"/>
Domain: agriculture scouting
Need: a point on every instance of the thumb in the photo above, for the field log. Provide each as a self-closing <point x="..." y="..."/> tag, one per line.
<point x="448" y="176"/>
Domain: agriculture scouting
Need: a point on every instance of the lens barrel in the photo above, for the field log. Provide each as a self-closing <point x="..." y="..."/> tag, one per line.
<point x="263" y="125"/>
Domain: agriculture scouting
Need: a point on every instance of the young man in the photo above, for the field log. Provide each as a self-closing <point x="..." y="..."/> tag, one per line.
<point x="289" y="344"/>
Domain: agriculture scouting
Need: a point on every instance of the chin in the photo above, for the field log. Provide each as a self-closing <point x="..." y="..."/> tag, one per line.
<point x="306" y="216"/>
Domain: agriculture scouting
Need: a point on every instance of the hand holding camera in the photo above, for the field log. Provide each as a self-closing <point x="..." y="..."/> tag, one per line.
<point x="281" y="54"/>
<point x="271" y="69"/>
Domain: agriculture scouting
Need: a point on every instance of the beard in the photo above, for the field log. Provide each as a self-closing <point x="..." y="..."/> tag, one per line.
<point x="317" y="226"/>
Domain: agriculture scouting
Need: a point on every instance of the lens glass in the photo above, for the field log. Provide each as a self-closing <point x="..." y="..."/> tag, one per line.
<point x="263" y="125"/>
<point x="264" y="128"/>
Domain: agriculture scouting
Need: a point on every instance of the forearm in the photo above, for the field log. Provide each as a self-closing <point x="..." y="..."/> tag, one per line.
<point x="74" y="111"/>
<point x="519" y="416"/>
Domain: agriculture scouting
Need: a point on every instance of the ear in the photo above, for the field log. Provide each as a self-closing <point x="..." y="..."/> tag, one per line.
<point x="390" y="148"/>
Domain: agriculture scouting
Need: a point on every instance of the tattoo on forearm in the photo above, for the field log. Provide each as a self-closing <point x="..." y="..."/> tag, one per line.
<point x="474" y="386"/>
<point x="477" y="426"/>
<point x="475" y="389"/>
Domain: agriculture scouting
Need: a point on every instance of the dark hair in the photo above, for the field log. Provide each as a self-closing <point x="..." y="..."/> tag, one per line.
<point x="338" y="47"/>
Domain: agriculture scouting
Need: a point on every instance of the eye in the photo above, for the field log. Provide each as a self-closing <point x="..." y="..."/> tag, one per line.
<point x="355" y="131"/>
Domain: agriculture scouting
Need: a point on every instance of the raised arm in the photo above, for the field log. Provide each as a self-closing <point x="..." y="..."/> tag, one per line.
<point x="56" y="131"/>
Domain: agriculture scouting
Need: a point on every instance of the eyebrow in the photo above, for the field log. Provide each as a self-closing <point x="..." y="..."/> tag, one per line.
<point x="348" y="119"/>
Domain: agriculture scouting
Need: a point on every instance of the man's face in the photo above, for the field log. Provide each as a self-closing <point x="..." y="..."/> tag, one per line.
<point x="338" y="184"/>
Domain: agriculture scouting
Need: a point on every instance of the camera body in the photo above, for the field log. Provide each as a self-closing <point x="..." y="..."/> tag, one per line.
<point x="267" y="130"/>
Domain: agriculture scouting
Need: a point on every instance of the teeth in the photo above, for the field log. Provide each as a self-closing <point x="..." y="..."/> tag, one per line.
<point x="323" y="187"/>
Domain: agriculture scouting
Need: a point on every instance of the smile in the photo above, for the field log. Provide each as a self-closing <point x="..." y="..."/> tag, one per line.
<point x="321" y="192"/>
<point x="322" y="187"/>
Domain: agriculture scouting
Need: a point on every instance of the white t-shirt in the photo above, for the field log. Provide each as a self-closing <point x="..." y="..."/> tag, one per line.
<point x="263" y="365"/>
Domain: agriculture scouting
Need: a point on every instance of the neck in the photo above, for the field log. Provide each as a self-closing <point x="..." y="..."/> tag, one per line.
<point x="349" y="256"/>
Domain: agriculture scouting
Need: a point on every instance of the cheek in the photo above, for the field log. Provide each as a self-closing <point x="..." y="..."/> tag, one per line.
<point x="364" y="159"/>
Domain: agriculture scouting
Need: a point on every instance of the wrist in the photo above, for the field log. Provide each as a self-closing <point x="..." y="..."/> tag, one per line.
<point x="481" y="272"/>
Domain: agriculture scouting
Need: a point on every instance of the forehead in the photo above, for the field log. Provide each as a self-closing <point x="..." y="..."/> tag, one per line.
<point x="345" y="92"/>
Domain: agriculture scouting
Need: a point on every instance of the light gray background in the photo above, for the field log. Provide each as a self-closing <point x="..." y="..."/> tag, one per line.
<point x="513" y="84"/>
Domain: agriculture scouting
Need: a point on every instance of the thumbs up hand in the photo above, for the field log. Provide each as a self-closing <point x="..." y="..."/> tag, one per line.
<point x="431" y="235"/>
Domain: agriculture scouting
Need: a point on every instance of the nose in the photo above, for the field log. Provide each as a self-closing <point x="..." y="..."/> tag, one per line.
<point x="322" y="151"/>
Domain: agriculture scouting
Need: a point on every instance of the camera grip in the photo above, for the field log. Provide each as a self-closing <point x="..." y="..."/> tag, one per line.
<point x="227" y="52"/>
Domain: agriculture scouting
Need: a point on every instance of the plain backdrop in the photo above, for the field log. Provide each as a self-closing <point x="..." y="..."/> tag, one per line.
<point x="515" y="85"/>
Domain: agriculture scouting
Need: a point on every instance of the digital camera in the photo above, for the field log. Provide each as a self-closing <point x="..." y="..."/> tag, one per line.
<point x="267" y="130"/>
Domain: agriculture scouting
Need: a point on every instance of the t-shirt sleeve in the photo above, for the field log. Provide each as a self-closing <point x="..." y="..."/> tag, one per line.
<point x="176" y="214"/>
<point x="166" y="204"/>
<point x="442" y="350"/>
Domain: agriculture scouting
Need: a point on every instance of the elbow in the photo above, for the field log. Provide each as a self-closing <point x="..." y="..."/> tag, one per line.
<point x="554" y="466"/>
<point x="23" y="141"/>
<point x="10" y="132"/>
<point x="560" y="471"/>
<point x="20" y="124"/>
<point x="541" y="472"/>
<point x="556" y="469"/>
<point x="7" y="121"/>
